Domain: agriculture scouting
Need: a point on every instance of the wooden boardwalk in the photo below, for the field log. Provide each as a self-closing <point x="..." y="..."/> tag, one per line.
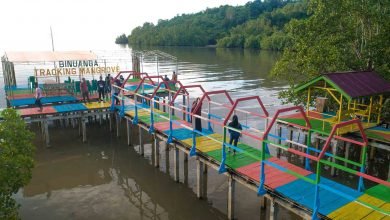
<point x="278" y="180"/>
<point x="302" y="187"/>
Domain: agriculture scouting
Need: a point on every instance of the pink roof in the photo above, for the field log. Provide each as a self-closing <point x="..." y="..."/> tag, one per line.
<point x="360" y="83"/>
<point x="41" y="56"/>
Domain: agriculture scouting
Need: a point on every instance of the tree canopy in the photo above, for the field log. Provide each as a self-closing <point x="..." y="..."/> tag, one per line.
<point x="337" y="36"/>
<point x="122" y="39"/>
<point x="267" y="31"/>
<point x="16" y="160"/>
<point x="209" y="26"/>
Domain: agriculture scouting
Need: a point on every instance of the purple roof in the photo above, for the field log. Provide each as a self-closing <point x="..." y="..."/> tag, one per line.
<point x="357" y="84"/>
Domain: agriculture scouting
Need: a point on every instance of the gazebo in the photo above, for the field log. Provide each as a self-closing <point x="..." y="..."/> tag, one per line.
<point x="342" y="96"/>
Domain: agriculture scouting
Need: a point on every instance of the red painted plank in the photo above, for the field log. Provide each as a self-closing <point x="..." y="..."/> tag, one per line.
<point x="274" y="177"/>
<point x="34" y="111"/>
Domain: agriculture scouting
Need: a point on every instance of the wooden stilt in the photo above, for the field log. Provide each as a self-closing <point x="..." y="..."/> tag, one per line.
<point x="118" y="125"/>
<point x="272" y="210"/>
<point x="185" y="168"/>
<point x="278" y="150"/>
<point x="231" y="189"/>
<point x="167" y="164"/>
<point x="84" y="127"/>
<point x="334" y="152"/>
<point x="372" y="152"/>
<point x="176" y="163"/>
<point x="110" y="120"/>
<point x="304" y="151"/>
<point x="290" y="137"/>
<point x="47" y="137"/>
<point x="347" y="148"/>
<point x="263" y="202"/>
<point x="128" y="127"/>
<point x="80" y="127"/>
<point x="199" y="175"/>
<point x="388" y="174"/>
<point x="141" y="142"/>
<point x="204" y="181"/>
<point x="156" y="151"/>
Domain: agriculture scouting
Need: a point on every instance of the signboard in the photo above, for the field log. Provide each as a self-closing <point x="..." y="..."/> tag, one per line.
<point x="76" y="67"/>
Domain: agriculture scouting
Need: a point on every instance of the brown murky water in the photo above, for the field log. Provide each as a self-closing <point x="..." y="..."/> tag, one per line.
<point x="106" y="179"/>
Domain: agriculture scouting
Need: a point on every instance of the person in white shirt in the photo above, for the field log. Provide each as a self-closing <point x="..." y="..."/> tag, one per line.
<point x="38" y="97"/>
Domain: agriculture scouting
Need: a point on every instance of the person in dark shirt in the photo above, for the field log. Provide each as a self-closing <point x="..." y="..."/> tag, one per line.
<point x="84" y="89"/>
<point x="116" y="90"/>
<point x="234" y="135"/>
<point x="121" y="79"/>
<point x="198" y="121"/>
<point x="101" y="88"/>
<point x="166" y="78"/>
<point x="108" y="85"/>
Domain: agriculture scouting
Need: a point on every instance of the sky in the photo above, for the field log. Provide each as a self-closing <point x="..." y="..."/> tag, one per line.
<point x="85" y="24"/>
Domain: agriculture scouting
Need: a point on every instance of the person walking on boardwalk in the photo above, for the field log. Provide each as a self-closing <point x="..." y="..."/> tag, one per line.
<point x="234" y="135"/>
<point x="197" y="110"/>
<point x="121" y="79"/>
<point x="38" y="97"/>
<point x="108" y="85"/>
<point x="84" y="89"/>
<point x="174" y="76"/>
<point x="101" y="88"/>
<point x="116" y="84"/>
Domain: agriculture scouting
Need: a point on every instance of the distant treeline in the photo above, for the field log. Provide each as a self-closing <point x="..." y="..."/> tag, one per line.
<point x="122" y="39"/>
<point x="257" y="24"/>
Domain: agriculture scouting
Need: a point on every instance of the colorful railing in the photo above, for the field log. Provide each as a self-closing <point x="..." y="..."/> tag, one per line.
<point x="310" y="153"/>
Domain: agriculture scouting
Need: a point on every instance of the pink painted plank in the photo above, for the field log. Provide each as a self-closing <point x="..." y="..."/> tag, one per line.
<point x="163" y="126"/>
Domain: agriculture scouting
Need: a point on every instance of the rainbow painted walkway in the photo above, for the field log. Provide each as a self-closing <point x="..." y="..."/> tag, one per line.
<point x="304" y="187"/>
<point x="299" y="191"/>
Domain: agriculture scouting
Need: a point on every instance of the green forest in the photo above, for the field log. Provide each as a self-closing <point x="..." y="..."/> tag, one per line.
<point x="257" y="24"/>
<point x="316" y="36"/>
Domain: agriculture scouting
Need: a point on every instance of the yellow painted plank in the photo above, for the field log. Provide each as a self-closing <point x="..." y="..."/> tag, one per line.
<point x="95" y="105"/>
<point x="141" y="112"/>
<point x="205" y="144"/>
<point x="354" y="210"/>
<point x="378" y="215"/>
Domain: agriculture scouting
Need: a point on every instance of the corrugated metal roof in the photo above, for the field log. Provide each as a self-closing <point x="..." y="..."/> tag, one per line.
<point x="362" y="83"/>
<point x="46" y="56"/>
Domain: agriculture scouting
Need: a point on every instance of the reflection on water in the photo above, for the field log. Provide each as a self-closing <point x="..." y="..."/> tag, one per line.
<point x="106" y="179"/>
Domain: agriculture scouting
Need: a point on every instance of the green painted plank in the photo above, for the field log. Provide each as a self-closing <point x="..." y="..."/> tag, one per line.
<point x="380" y="191"/>
<point x="133" y="80"/>
<point x="375" y="135"/>
<point x="146" y="118"/>
<point x="316" y="124"/>
<point x="239" y="159"/>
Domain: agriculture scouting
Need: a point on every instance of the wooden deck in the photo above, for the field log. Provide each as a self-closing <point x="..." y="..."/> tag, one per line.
<point x="298" y="191"/>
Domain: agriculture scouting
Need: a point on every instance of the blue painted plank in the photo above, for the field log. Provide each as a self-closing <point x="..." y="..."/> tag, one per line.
<point x="302" y="192"/>
<point x="44" y="100"/>
<point x="70" y="107"/>
<point x="21" y="102"/>
<point x="134" y="87"/>
<point x="183" y="133"/>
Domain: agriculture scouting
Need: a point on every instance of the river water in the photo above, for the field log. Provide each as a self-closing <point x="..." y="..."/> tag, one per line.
<point x="106" y="179"/>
